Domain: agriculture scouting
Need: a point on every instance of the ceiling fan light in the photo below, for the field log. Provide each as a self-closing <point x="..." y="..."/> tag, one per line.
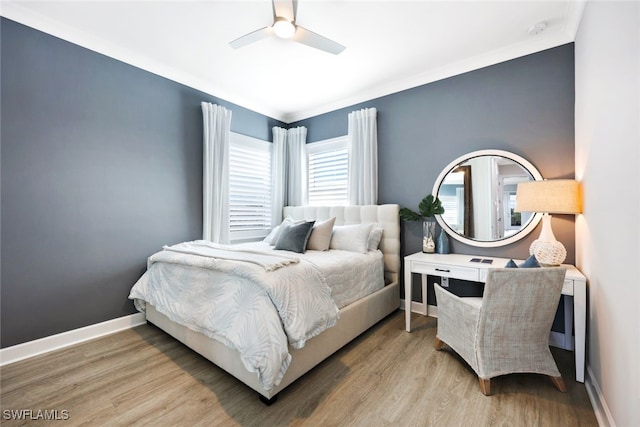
<point x="283" y="28"/>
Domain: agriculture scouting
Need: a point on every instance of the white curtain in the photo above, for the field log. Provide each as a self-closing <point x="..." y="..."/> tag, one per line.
<point x="278" y="174"/>
<point x="297" y="186"/>
<point x="363" y="157"/>
<point x="216" y="128"/>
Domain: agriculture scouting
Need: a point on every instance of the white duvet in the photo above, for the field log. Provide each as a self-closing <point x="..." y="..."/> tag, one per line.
<point x="252" y="307"/>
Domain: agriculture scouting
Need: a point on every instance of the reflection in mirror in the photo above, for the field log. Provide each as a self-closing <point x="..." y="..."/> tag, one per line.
<point x="478" y="192"/>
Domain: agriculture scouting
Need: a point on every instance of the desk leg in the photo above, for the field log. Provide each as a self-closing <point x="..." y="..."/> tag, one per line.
<point x="580" y="319"/>
<point x="407" y="295"/>
<point x="568" y="323"/>
<point x="424" y="295"/>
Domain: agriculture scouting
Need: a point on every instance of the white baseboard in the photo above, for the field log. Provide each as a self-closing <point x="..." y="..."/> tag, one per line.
<point x="65" y="339"/>
<point x="557" y="339"/>
<point x="600" y="408"/>
<point x="416" y="307"/>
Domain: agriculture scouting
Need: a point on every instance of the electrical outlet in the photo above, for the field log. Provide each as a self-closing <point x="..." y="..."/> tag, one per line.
<point x="444" y="282"/>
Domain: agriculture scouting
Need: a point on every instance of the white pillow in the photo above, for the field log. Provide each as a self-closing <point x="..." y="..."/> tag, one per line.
<point x="272" y="238"/>
<point x="353" y="238"/>
<point x="321" y="235"/>
<point x="374" y="237"/>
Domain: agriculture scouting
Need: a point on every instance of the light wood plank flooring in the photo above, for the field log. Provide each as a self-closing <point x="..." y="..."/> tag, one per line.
<point x="385" y="377"/>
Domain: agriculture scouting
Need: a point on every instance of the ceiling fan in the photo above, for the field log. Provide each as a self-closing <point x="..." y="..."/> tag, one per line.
<point x="284" y="26"/>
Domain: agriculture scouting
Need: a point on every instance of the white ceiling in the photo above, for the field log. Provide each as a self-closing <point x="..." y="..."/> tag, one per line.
<point x="391" y="45"/>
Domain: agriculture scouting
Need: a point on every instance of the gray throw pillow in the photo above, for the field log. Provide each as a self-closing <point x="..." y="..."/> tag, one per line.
<point x="294" y="237"/>
<point x="511" y="264"/>
<point x="531" y="262"/>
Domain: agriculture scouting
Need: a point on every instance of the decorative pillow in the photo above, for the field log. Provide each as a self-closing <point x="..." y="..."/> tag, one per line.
<point x="353" y="238"/>
<point x="374" y="237"/>
<point x="531" y="262"/>
<point x="321" y="235"/>
<point x="294" y="237"/>
<point x="511" y="264"/>
<point x="272" y="238"/>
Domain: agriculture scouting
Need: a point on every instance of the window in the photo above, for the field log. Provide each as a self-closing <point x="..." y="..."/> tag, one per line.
<point x="328" y="172"/>
<point x="249" y="188"/>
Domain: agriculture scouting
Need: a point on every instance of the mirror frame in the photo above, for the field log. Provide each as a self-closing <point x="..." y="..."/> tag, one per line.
<point x="525" y="164"/>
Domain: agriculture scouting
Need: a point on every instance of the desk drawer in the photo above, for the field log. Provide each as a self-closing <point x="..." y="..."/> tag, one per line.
<point x="444" y="270"/>
<point x="567" y="288"/>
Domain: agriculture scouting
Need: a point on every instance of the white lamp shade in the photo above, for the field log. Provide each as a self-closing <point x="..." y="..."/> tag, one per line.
<point x="559" y="196"/>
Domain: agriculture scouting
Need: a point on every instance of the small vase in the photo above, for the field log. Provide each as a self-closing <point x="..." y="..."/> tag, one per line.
<point x="428" y="236"/>
<point x="442" y="246"/>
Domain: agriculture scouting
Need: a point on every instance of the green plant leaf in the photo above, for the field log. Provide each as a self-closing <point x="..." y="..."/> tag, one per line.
<point x="428" y="207"/>
<point x="425" y="206"/>
<point x="409" y="215"/>
<point x="438" y="209"/>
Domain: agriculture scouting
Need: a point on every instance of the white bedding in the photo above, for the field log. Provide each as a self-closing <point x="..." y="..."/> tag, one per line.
<point x="244" y="306"/>
<point x="263" y="256"/>
<point x="350" y="275"/>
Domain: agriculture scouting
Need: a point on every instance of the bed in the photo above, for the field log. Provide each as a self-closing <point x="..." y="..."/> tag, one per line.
<point x="351" y="319"/>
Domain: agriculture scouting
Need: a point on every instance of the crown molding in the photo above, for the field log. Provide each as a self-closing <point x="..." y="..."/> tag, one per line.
<point x="566" y="34"/>
<point x="574" y="11"/>
<point x="508" y="53"/>
<point x="14" y="11"/>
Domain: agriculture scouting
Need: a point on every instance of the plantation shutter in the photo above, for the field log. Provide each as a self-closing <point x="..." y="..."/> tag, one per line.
<point x="250" y="188"/>
<point x="328" y="173"/>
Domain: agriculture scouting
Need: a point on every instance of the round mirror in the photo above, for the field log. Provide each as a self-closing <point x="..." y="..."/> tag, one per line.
<point x="478" y="193"/>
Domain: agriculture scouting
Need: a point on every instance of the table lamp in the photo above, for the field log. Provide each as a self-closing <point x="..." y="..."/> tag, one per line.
<point x="558" y="196"/>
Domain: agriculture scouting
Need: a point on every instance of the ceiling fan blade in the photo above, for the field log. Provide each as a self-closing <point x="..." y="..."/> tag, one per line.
<point x="251" y="37"/>
<point x="312" y="39"/>
<point x="284" y="9"/>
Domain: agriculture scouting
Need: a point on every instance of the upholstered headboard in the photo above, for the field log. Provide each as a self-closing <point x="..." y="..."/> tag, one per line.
<point x="387" y="216"/>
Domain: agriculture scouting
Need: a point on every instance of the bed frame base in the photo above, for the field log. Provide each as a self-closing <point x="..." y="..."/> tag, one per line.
<point x="266" y="401"/>
<point x="354" y="320"/>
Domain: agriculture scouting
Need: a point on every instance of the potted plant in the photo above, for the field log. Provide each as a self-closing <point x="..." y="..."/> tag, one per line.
<point x="427" y="208"/>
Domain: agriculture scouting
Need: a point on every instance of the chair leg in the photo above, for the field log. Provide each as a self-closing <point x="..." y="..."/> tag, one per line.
<point x="485" y="386"/>
<point x="438" y="344"/>
<point x="559" y="383"/>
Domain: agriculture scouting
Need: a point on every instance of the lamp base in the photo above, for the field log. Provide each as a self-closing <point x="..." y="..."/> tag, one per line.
<point x="548" y="253"/>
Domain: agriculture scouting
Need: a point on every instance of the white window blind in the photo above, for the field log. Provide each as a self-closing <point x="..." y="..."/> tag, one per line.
<point x="249" y="188"/>
<point x="328" y="172"/>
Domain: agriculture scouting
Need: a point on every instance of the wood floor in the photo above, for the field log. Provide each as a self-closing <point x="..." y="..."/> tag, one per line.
<point x="385" y="377"/>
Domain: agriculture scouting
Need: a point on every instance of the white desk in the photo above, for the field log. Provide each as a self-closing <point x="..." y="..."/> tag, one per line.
<point x="458" y="266"/>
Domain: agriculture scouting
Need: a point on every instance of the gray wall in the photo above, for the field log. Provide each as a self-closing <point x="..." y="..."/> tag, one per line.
<point x="525" y="106"/>
<point x="101" y="165"/>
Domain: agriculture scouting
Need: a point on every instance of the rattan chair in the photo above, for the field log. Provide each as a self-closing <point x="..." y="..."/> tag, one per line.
<point x="506" y="330"/>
